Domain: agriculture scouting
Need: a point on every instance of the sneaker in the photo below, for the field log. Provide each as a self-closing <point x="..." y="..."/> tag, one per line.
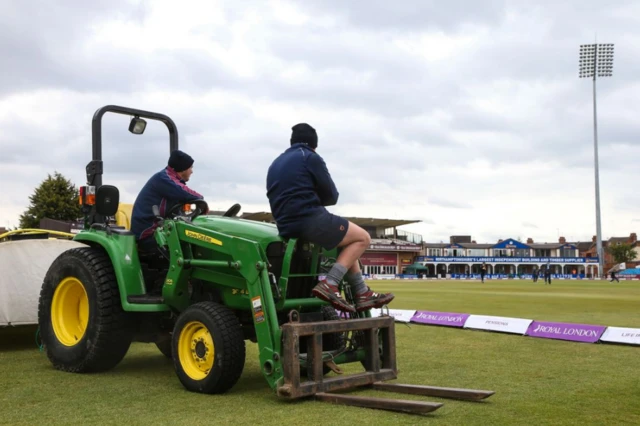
<point x="371" y="299"/>
<point x="331" y="293"/>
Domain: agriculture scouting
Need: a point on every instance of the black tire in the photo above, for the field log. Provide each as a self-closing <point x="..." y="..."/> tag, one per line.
<point x="330" y="342"/>
<point x="164" y="346"/>
<point x="94" y="333"/>
<point x="203" y="328"/>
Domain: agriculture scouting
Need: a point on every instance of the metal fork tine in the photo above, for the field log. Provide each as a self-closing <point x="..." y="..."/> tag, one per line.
<point x="403" y="405"/>
<point x="454" y="393"/>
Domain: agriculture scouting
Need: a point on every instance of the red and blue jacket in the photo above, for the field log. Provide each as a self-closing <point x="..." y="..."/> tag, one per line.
<point x="164" y="189"/>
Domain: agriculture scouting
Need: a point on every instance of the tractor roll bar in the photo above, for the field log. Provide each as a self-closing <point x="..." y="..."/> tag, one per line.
<point x="94" y="169"/>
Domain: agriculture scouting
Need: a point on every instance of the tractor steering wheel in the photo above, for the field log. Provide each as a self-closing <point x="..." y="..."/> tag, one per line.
<point x="177" y="211"/>
<point x="233" y="210"/>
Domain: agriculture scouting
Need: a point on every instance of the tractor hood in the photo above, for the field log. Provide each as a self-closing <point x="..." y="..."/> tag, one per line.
<point x="261" y="232"/>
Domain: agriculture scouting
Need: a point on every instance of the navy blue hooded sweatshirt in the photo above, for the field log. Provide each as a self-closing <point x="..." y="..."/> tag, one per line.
<point x="298" y="187"/>
<point x="164" y="189"/>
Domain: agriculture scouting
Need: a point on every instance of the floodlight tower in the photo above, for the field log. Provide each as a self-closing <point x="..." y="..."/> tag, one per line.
<point x="596" y="60"/>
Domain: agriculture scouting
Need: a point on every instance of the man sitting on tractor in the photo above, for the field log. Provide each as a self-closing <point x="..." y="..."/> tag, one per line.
<point x="299" y="187"/>
<point x="164" y="189"/>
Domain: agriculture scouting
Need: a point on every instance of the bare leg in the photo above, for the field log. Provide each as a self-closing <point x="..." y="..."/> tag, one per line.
<point x="355" y="242"/>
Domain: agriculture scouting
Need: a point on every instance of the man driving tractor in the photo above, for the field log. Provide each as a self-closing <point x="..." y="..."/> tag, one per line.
<point x="299" y="187"/>
<point x="164" y="189"/>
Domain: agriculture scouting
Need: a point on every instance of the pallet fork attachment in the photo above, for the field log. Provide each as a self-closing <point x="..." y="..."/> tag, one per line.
<point x="379" y="333"/>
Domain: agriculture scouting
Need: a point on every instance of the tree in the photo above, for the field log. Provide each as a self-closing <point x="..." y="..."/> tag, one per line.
<point x="55" y="198"/>
<point x="622" y="252"/>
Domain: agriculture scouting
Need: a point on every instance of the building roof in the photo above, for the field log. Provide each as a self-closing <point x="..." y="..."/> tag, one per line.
<point x="360" y="221"/>
<point x="620" y="240"/>
<point x="583" y="245"/>
<point x="437" y="245"/>
<point x="550" y="246"/>
<point x="510" y="243"/>
<point x="393" y="241"/>
<point x="387" y="223"/>
<point x="476" y="245"/>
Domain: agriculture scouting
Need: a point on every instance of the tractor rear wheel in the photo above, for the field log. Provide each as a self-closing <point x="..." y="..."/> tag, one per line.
<point x="209" y="346"/>
<point x="82" y="324"/>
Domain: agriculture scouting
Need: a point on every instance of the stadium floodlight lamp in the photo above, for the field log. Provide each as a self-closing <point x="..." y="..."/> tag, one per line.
<point x="596" y="60"/>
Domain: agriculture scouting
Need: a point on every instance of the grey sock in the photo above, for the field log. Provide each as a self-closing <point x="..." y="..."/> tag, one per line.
<point x="336" y="274"/>
<point x="357" y="283"/>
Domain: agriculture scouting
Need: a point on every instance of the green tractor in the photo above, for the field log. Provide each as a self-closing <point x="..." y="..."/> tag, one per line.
<point x="215" y="282"/>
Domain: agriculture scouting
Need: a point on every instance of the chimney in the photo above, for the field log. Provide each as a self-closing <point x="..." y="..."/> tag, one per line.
<point x="562" y="240"/>
<point x="474" y="242"/>
<point x="593" y="240"/>
<point x="633" y="237"/>
<point x="529" y="240"/>
<point x="500" y="240"/>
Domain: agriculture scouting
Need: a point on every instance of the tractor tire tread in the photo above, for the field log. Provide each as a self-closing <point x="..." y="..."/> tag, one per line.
<point x="112" y="325"/>
<point x="233" y="351"/>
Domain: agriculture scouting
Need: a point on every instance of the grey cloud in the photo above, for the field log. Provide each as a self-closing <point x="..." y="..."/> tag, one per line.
<point x="35" y="50"/>
<point x="392" y="126"/>
<point x="412" y="15"/>
<point x="447" y="203"/>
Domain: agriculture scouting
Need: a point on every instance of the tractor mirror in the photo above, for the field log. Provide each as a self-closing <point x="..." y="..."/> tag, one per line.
<point x="107" y="200"/>
<point x="137" y="126"/>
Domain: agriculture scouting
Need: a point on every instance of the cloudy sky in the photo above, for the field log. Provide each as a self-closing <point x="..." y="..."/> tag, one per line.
<point x="468" y="116"/>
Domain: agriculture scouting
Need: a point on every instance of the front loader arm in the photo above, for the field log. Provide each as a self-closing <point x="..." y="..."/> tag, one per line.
<point x="231" y="262"/>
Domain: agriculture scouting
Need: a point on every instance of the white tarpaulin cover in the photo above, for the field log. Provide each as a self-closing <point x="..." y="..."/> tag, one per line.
<point x="23" y="265"/>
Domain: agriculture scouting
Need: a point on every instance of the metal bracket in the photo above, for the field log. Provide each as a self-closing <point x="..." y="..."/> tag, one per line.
<point x="378" y="370"/>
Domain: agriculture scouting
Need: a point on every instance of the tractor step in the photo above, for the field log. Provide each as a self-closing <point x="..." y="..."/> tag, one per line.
<point x="146" y="299"/>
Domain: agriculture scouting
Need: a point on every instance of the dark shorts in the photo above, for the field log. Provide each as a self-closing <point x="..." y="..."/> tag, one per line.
<point x="324" y="229"/>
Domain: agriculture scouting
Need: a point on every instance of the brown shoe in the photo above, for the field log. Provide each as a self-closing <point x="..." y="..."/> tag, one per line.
<point x="371" y="299"/>
<point x="331" y="293"/>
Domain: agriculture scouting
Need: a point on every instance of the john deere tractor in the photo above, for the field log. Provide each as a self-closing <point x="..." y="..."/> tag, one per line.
<point x="214" y="283"/>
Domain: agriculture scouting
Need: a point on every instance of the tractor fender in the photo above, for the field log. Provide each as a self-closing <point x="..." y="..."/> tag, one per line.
<point x="124" y="258"/>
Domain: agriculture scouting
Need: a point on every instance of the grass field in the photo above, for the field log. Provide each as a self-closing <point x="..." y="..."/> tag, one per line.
<point x="537" y="381"/>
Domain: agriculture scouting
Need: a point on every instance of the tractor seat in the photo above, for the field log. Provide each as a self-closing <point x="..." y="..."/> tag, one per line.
<point x="106" y="205"/>
<point x="120" y="230"/>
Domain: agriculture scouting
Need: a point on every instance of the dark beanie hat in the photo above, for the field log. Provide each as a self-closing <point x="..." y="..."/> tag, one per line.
<point x="303" y="133"/>
<point x="180" y="161"/>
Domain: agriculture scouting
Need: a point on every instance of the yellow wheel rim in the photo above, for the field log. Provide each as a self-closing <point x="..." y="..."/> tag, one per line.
<point x="195" y="350"/>
<point x="70" y="311"/>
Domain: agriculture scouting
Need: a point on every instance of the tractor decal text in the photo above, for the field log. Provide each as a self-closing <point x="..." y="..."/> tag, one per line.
<point x="202" y="237"/>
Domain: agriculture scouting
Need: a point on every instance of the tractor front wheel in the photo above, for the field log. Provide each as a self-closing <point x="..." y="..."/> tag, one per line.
<point x="209" y="346"/>
<point x="82" y="324"/>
